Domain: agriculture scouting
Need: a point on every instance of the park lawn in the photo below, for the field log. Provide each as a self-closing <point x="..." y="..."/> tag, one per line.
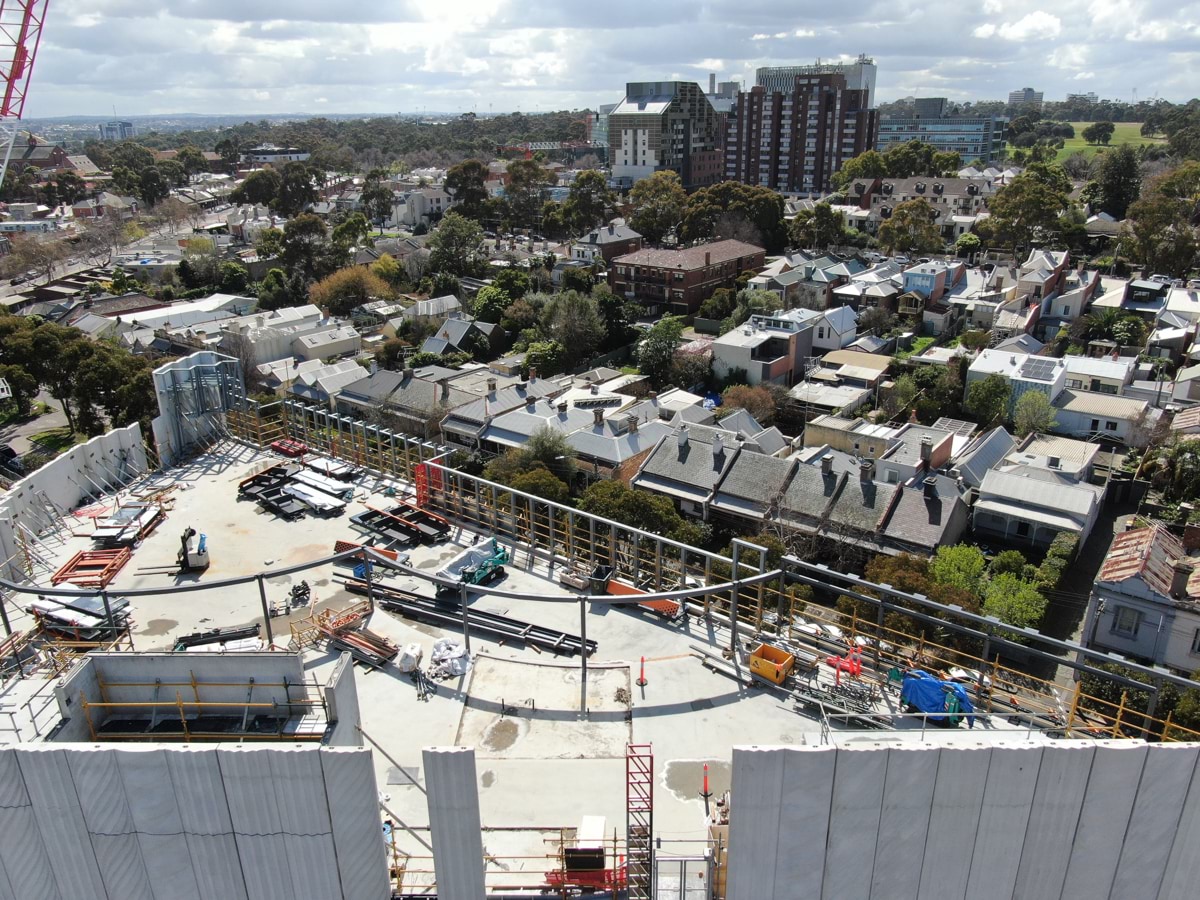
<point x="1126" y="133"/>
<point x="56" y="440"/>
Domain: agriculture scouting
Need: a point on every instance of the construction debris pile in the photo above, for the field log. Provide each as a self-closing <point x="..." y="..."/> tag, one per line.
<point x="449" y="659"/>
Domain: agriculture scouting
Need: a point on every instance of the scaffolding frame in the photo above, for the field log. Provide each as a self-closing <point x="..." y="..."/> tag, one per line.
<point x="639" y="821"/>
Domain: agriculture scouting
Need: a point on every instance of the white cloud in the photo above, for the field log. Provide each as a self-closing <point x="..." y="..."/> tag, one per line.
<point x="985" y="31"/>
<point x="1036" y="26"/>
<point x="804" y="32"/>
<point x="760" y="37"/>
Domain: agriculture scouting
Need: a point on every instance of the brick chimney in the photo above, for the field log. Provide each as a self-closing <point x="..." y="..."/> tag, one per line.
<point x="931" y="488"/>
<point x="532" y="374"/>
<point x="1180" y="573"/>
<point x="926" y="449"/>
<point x="866" y="471"/>
<point x="827" y="465"/>
<point x="598" y="416"/>
<point x="491" y="385"/>
<point x="707" y="258"/>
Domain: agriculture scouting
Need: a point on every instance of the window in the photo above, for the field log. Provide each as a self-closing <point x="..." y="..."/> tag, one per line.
<point x="1110" y="426"/>
<point x="1023" y="529"/>
<point x="1066" y="311"/>
<point x="892" y="476"/>
<point x="1095" y="424"/>
<point x="1196" y="641"/>
<point x="1125" y="621"/>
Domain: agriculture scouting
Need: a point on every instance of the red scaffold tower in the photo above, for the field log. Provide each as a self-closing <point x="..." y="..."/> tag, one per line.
<point x="21" y="24"/>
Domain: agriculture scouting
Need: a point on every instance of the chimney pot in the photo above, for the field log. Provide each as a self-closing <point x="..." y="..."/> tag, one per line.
<point x="562" y="408"/>
<point x="598" y="416"/>
<point x="930" y="488"/>
<point x="1180" y="573"/>
<point x="827" y="465"/>
<point x="707" y="258"/>
<point x="866" y="470"/>
<point x="491" y="385"/>
<point x="718" y="445"/>
<point x="533" y="373"/>
<point x="632" y="424"/>
<point x="529" y="402"/>
<point x="682" y="437"/>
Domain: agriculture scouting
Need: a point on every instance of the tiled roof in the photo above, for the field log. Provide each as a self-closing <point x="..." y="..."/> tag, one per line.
<point x="923" y="521"/>
<point x="862" y="504"/>
<point x="756" y="478"/>
<point x="691" y="258"/>
<point x="693" y="464"/>
<point x="1150" y="553"/>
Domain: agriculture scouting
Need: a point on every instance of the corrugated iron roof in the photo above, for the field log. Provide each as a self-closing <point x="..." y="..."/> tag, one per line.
<point x="1151" y="553"/>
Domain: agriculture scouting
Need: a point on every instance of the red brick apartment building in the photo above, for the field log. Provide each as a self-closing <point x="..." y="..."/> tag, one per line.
<point x="678" y="281"/>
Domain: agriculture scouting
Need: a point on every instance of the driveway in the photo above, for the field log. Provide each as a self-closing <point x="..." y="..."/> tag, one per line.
<point x="18" y="433"/>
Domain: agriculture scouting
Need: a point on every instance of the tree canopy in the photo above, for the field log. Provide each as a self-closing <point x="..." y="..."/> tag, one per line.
<point x="658" y="205"/>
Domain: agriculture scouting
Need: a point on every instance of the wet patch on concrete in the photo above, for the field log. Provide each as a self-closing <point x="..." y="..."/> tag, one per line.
<point x="488" y="778"/>
<point x="501" y="734"/>
<point x="685" y="778"/>
<point x="159" y="627"/>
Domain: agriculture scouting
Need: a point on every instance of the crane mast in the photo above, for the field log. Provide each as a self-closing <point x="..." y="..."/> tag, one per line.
<point x="21" y="24"/>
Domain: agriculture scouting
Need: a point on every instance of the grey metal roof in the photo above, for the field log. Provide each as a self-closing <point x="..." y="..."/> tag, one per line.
<point x="983" y="454"/>
<point x="1029" y="488"/>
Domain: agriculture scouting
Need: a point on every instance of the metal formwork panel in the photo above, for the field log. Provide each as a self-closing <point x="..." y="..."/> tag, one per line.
<point x="197" y="779"/>
<point x="217" y="864"/>
<point x="1062" y="781"/>
<point x="754" y="822"/>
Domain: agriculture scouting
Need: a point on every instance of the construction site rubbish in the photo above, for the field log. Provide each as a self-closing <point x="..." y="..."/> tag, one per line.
<point x="289" y="448"/>
<point x="772" y="663"/>
<point x="410" y="658"/>
<point x="480" y="563"/>
<point x="92" y="568"/>
<point x="427" y="609"/>
<point x="395" y="556"/>
<point x="217" y="636"/>
<point x="129" y="524"/>
<point x="449" y="659"/>
<point x="923" y="692"/>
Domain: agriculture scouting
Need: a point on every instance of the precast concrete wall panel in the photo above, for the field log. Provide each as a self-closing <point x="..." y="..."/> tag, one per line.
<point x="1107" y="804"/>
<point x="60" y="820"/>
<point x="218" y="866"/>
<point x="194" y="774"/>
<point x="1062" y="780"/>
<point x="353" y="799"/>
<point x="150" y="794"/>
<point x="859" y="777"/>
<point x="806" y="791"/>
<point x="109" y="821"/>
<point x="1007" y="799"/>
<point x="953" y="821"/>
<point x="907" y="798"/>
<point x="454" y="827"/>
<point x="754" y="823"/>
<point x="304" y="821"/>
<point x="27" y="869"/>
<point x="250" y="792"/>
<point x="1166" y="778"/>
<point x="1183" y="867"/>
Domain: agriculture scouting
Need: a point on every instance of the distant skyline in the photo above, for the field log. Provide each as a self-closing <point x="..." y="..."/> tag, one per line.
<point x="263" y="57"/>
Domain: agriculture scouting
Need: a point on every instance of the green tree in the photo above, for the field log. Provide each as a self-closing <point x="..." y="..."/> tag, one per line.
<point x="22" y="386"/>
<point x="1023" y="212"/>
<point x="731" y="209"/>
<point x="1014" y="601"/>
<point x="490" y="304"/>
<point x="1007" y="562"/>
<point x="304" y="244"/>
<point x="297" y="189"/>
<point x="573" y="320"/>
<point x="977" y="339"/>
<point x="960" y="566"/>
<point x="1161" y="223"/>
<point x="1119" y="180"/>
<point x="866" y="166"/>
<point x="513" y="281"/>
<point x="618" y="315"/>
<point x="658" y="204"/>
<point x="377" y="198"/>
<point x="230" y="149"/>
<point x="654" y="513"/>
<point x="912" y="227"/>
<point x="967" y="244"/>
<point x="656" y="352"/>
<point x="1178" y="474"/>
<point x="578" y="278"/>
<point x="456" y="246"/>
<point x="1099" y="132"/>
<point x="352" y="232"/>
<point x="818" y="228"/>
<point x="152" y="186"/>
<point x="1033" y="414"/>
<point x="587" y="201"/>
<point x="542" y="482"/>
<point x="987" y="400"/>
<point x="549" y="447"/>
<point x="173" y="173"/>
<point x="192" y="160"/>
<point x="269" y="243"/>
<point x="545" y="356"/>
<point x="466" y="185"/>
<point x="235" y="278"/>
<point x="527" y="185"/>
<point x="388" y="269"/>
<point x="260" y="187"/>
<point x="273" y="291"/>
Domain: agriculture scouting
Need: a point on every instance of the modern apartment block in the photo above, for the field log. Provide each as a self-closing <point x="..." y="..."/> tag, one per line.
<point x="972" y="137"/>
<point x="859" y="75"/>
<point x="793" y="141"/>
<point x="116" y="131"/>
<point x="1025" y="97"/>
<point x="664" y="125"/>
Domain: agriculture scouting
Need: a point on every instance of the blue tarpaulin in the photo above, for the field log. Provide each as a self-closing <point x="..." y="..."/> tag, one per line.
<point x="929" y="694"/>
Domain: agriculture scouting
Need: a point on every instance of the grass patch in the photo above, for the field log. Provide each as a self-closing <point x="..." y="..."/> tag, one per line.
<point x="1126" y="133"/>
<point x="919" y="346"/>
<point x="630" y="370"/>
<point x="10" y="416"/>
<point x="56" y="440"/>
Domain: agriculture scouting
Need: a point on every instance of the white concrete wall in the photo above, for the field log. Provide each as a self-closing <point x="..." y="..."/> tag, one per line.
<point x="82" y="473"/>
<point x="189" y="822"/>
<point x="1067" y="819"/>
<point x="452" y="795"/>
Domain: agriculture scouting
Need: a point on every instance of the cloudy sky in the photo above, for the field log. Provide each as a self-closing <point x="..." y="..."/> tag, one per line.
<point x="269" y="56"/>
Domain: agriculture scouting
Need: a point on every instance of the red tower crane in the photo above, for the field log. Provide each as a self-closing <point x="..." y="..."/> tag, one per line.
<point x="21" y="24"/>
